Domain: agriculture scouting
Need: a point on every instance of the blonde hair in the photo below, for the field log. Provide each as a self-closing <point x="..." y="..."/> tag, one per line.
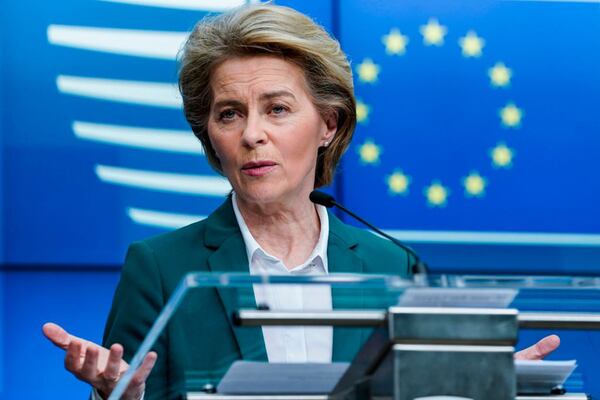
<point x="282" y="32"/>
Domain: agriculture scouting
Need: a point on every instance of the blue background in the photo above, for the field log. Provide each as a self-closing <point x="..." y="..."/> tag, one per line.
<point x="433" y="113"/>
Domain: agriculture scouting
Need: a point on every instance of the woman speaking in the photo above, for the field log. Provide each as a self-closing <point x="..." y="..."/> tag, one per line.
<point x="269" y="94"/>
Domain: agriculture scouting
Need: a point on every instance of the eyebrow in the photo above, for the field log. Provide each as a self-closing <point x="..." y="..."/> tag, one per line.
<point x="262" y="97"/>
<point x="228" y="102"/>
<point x="277" y="93"/>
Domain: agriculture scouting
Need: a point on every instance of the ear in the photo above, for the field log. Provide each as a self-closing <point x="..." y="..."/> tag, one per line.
<point x="331" y="126"/>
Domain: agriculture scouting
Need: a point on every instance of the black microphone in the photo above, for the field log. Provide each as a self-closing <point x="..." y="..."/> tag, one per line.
<point x="328" y="201"/>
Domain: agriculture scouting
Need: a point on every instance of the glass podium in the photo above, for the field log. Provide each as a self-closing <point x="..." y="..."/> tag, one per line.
<point x="431" y="337"/>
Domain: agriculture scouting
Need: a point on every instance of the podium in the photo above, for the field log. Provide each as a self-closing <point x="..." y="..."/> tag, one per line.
<point x="438" y="337"/>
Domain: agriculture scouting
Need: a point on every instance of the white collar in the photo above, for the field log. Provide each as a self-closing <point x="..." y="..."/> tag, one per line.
<point x="252" y="246"/>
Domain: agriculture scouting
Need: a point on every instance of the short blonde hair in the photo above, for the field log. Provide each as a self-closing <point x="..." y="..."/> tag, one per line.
<point x="273" y="30"/>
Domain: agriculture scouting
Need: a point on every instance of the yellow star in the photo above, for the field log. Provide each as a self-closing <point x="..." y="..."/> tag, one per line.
<point x="502" y="156"/>
<point x="511" y="116"/>
<point x="368" y="71"/>
<point x="369" y="152"/>
<point x="437" y="194"/>
<point x="395" y="42"/>
<point x="500" y="75"/>
<point x="398" y="182"/>
<point x="474" y="185"/>
<point x="471" y="44"/>
<point x="433" y="33"/>
<point x="362" y="112"/>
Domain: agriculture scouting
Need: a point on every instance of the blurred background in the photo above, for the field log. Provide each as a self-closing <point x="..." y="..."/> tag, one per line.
<point x="478" y="143"/>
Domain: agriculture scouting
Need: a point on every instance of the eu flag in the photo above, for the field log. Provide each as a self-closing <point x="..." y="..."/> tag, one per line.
<point x="476" y="119"/>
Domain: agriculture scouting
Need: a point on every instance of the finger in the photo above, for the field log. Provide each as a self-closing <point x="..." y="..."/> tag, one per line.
<point x="60" y="337"/>
<point x="136" y="387"/>
<point x="57" y="335"/>
<point x="89" y="369"/>
<point x="539" y="350"/>
<point x="111" y="371"/>
<point x="547" y="345"/>
<point x="73" y="356"/>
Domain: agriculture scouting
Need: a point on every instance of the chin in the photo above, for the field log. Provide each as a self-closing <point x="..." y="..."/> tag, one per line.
<point x="270" y="189"/>
<point x="264" y="198"/>
<point x="267" y="193"/>
<point x="260" y="193"/>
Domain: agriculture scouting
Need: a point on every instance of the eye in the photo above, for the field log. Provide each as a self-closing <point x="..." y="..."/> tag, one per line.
<point x="279" y="109"/>
<point x="227" y="115"/>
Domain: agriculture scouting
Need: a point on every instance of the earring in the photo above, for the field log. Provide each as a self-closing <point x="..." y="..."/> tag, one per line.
<point x="325" y="144"/>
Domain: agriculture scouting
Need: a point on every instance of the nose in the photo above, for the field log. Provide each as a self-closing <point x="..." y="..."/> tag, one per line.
<point x="254" y="133"/>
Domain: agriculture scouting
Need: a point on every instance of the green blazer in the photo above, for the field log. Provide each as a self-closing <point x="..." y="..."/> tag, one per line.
<point x="201" y="342"/>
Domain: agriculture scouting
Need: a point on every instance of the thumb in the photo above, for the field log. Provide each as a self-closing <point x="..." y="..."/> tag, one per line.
<point x="57" y="335"/>
<point x="539" y="350"/>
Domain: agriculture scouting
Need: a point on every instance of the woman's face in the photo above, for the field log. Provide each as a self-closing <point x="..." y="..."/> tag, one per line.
<point x="265" y="129"/>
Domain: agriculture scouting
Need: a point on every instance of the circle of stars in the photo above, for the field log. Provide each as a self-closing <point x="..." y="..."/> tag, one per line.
<point x="500" y="76"/>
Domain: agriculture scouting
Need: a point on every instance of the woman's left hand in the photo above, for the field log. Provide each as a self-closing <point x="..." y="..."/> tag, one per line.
<point x="539" y="350"/>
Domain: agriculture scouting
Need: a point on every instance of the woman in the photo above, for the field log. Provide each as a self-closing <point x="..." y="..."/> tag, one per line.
<point x="269" y="94"/>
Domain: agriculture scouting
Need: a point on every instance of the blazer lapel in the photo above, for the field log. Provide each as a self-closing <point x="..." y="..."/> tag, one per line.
<point x="224" y="236"/>
<point x="343" y="259"/>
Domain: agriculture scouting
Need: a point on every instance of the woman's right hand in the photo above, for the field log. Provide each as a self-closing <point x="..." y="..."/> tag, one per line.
<point x="100" y="367"/>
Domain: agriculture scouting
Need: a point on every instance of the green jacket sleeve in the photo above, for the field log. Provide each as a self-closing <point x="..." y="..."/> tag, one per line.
<point x="136" y="304"/>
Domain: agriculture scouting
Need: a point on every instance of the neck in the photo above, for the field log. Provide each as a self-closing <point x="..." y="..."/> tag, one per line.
<point x="289" y="232"/>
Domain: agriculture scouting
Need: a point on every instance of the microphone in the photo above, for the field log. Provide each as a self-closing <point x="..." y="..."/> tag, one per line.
<point x="328" y="201"/>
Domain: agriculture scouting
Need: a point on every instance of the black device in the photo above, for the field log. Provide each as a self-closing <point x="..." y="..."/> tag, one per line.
<point x="327" y="200"/>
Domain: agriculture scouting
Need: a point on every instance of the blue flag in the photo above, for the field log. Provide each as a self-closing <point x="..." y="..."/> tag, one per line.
<point x="477" y="120"/>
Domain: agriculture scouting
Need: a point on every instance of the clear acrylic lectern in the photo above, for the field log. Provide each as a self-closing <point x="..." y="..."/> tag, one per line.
<point x="430" y="337"/>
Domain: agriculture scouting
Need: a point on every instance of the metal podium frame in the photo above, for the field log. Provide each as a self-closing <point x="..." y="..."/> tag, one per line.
<point x="415" y="335"/>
